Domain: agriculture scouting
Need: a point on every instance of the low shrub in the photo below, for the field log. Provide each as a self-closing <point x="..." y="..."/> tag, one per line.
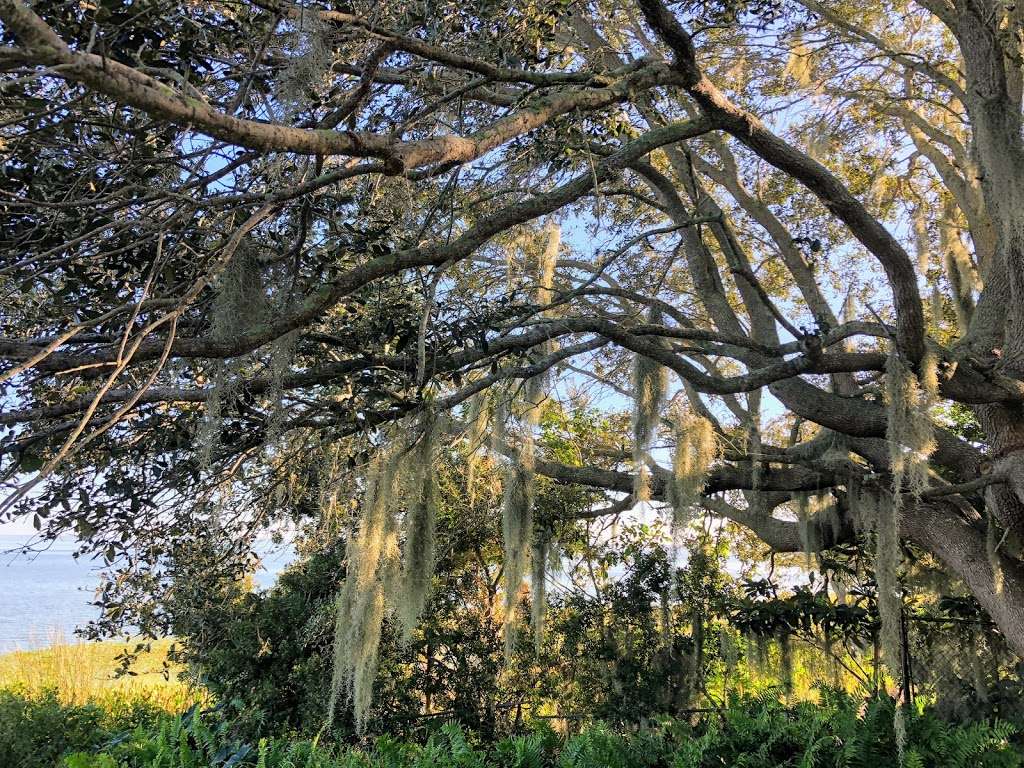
<point x="37" y="729"/>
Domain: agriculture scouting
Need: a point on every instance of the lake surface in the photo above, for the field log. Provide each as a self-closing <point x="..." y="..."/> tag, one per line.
<point x="46" y="595"/>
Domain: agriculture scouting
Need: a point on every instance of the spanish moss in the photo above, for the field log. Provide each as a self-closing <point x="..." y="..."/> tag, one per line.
<point x="800" y="65"/>
<point x="516" y="527"/>
<point x="372" y="562"/>
<point x="922" y="243"/>
<point x="241" y="300"/>
<point x="382" y="575"/>
<point x="310" y="62"/>
<point x="534" y="391"/>
<point x="803" y="516"/>
<point x="909" y="430"/>
<point x="650" y="385"/>
<point x="696" y="448"/>
<point x="477" y="416"/>
<point x="282" y="351"/>
<point x="890" y="605"/>
<point x="208" y="437"/>
<point x="420" y="528"/>
<point x="546" y="264"/>
<point x="516" y="523"/>
<point x="240" y="303"/>
<point x="936" y="308"/>
<point x="538" y="585"/>
<point x="813" y="512"/>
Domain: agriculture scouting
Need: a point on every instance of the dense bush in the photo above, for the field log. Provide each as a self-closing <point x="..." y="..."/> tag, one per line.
<point x="36" y="730"/>
<point x="608" y="652"/>
<point x="266" y="656"/>
<point x="759" y="732"/>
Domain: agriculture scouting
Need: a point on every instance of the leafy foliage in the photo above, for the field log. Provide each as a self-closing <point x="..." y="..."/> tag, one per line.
<point x="749" y="733"/>
<point x="37" y="729"/>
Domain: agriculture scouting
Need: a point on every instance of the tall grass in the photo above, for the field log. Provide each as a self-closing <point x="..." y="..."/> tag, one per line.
<point x="86" y="673"/>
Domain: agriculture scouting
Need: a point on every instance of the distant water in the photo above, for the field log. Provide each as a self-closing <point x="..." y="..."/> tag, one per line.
<point x="47" y="595"/>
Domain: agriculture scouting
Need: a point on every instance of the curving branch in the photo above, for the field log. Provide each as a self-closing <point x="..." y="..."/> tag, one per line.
<point x="131" y="86"/>
<point x="749" y="130"/>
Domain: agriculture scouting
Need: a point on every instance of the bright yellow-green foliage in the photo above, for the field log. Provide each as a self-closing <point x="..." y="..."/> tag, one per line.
<point x="752" y="668"/>
<point x="85" y="673"/>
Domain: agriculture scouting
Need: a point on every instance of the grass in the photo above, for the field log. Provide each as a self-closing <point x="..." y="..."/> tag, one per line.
<point x="86" y="673"/>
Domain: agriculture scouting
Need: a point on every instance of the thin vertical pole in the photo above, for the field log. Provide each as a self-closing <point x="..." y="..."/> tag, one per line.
<point x="907" y="669"/>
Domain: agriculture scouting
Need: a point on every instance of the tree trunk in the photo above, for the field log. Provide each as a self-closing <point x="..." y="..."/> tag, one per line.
<point x="941" y="529"/>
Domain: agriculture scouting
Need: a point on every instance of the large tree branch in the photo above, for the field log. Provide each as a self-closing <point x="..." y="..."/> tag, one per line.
<point x="130" y="86"/>
<point x="939" y="528"/>
<point x="435" y="53"/>
<point x="728" y="178"/>
<point x="316" y="304"/>
<point x="749" y="130"/>
<point x="725" y="477"/>
<point x="774" y="484"/>
<point x="911" y="62"/>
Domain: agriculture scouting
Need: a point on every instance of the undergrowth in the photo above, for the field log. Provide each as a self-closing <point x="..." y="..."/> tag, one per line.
<point x="753" y="732"/>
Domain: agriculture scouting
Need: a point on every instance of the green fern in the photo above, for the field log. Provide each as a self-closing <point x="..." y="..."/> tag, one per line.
<point x="761" y="731"/>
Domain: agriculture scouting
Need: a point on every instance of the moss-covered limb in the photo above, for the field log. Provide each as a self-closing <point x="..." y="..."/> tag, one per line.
<point x="133" y="87"/>
<point x="722" y="477"/>
<point x="819" y="534"/>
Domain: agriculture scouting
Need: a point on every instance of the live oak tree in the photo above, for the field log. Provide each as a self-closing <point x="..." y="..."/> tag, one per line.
<point x="259" y="259"/>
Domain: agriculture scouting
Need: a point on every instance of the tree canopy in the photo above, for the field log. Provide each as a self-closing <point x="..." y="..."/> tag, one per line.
<point x="259" y="259"/>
